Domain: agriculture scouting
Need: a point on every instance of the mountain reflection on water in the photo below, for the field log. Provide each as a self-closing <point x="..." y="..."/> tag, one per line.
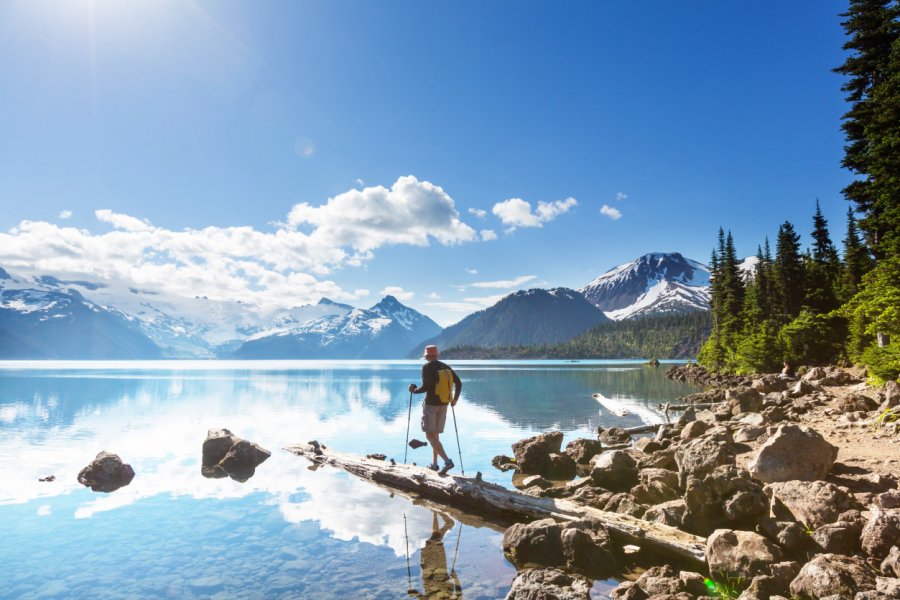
<point x="287" y="531"/>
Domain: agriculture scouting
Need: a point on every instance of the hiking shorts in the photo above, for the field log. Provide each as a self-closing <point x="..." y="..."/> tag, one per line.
<point x="433" y="418"/>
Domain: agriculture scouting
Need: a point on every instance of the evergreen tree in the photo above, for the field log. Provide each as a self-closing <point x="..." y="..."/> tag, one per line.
<point x="872" y="28"/>
<point x="788" y="273"/>
<point x="856" y="259"/>
<point x="822" y="268"/>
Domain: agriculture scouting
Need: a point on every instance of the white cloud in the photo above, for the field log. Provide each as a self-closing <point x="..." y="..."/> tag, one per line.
<point x="503" y="284"/>
<point x="469" y="304"/>
<point x="487" y="235"/>
<point x="397" y="292"/>
<point x="280" y="267"/>
<point x="434" y="296"/>
<point x="613" y="213"/>
<point x="359" y="182"/>
<point x="621" y="196"/>
<point x="478" y="212"/>
<point x="472" y="271"/>
<point x="65" y="214"/>
<point x="516" y="212"/>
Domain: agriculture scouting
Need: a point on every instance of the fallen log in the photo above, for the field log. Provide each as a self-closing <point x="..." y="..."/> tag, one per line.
<point x="488" y="498"/>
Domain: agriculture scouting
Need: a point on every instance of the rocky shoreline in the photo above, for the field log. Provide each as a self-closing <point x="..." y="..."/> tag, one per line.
<point x="793" y="481"/>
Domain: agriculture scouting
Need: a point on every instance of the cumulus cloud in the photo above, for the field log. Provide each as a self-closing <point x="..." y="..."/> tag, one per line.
<point x="397" y="292"/>
<point x="280" y="267"/>
<point x="478" y="212"/>
<point x="504" y="284"/>
<point x="613" y="213"/>
<point x="516" y="212"/>
<point x="621" y="196"/>
<point x="65" y="214"/>
<point x="488" y="235"/>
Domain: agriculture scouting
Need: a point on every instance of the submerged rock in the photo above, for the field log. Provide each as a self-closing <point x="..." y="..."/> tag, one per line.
<point x="106" y="473"/>
<point x="227" y="455"/>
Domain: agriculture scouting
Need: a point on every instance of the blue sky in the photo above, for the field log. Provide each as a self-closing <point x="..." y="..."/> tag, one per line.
<point x="198" y="128"/>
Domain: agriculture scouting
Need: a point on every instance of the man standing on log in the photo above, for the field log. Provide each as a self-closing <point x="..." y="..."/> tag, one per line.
<point x="441" y="386"/>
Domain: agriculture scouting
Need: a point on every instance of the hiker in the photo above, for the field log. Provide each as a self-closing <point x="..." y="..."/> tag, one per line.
<point x="441" y="386"/>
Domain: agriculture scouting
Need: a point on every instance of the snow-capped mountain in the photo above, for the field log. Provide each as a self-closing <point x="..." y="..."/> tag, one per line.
<point x="43" y="320"/>
<point x="527" y="317"/>
<point x="48" y="317"/>
<point x="656" y="283"/>
<point x="387" y="330"/>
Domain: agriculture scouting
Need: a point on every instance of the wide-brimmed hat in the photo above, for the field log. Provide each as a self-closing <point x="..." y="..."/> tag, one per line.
<point x="431" y="351"/>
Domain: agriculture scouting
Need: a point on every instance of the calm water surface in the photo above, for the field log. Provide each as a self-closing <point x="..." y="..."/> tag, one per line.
<point x="288" y="532"/>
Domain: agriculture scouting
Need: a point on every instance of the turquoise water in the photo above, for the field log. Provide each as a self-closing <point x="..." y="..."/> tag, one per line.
<point x="288" y="532"/>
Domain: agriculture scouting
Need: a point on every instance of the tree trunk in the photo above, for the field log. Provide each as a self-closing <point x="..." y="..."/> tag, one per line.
<point x="482" y="497"/>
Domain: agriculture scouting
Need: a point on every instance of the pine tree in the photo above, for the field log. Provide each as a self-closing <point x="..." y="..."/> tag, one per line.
<point x="788" y="273"/>
<point x="822" y="268"/>
<point x="857" y="261"/>
<point x="872" y="28"/>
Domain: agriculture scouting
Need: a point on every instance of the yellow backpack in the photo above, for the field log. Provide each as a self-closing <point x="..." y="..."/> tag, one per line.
<point x="444" y="386"/>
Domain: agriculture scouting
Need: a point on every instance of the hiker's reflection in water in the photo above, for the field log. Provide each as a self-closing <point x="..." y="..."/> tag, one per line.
<point x="438" y="582"/>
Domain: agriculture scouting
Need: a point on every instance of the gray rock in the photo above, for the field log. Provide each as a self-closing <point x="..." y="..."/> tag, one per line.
<point x="615" y="470"/>
<point x="748" y="434"/>
<point x="814" y="374"/>
<point x="588" y="550"/>
<point x="592" y="496"/>
<point x="889" y="586"/>
<point x="794" y="452"/>
<point x="840" y="537"/>
<point x="857" y="403"/>
<point x="891" y="564"/>
<point x="670" y="478"/>
<point x="227" y="455"/>
<point x="625" y="504"/>
<point x="743" y="554"/>
<point x="504" y="463"/>
<point x="829" y="574"/>
<point x="889" y="394"/>
<point x="814" y="503"/>
<point x="647" y="445"/>
<point x="889" y="499"/>
<point x="628" y="590"/>
<point x="668" y="513"/>
<point x="614" y="436"/>
<point x="802" y="388"/>
<point x="561" y="466"/>
<point x="744" y="400"/>
<point x="583" y="449"/>
<point x="664" y="459"/>
<point x="753" y="419"/>
<point x="727" y="497"/>
<point x="653" y="492"/>
<point x="106" y="473"/>
<point x="549" y="584"/>
<point x="768" y="384"/>
<point x="694" y="429"/>
<point x="662" y="580"/>
<point x="533" y="480"/>
<point x="533" y="454"/>
<point x="881" y="532"/>
<point x="698" y="458"/>
<point x="536" y="543"/>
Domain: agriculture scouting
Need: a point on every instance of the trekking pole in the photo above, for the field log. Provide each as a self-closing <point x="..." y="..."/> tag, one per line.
<point x="408" y="419"/>
<point x="458" y="447"/>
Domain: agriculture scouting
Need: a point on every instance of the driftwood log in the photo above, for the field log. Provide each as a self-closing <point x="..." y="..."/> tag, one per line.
<point x="488" y="498"/>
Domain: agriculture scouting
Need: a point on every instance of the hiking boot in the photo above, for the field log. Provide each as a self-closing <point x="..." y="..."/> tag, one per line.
<point x="433" y="466"/>
<point x="447" y="466"/>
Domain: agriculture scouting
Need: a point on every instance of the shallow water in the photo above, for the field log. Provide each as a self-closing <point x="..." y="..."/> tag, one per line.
<point x="288" y="532"/>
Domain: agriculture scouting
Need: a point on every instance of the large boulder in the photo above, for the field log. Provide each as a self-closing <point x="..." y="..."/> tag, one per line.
<point x="580" y="546"/>
<point x="842" y="536"/>
<point x="106" y="473"/>
<point x="743" y="400"/>
<point x="668" y="513"/>
<point x="700" y="457"/>
<point x="814" y="503"/>
<point x="727" y="497"/>
<point x="227" y="455"/>
<point x="767" y="384"/>
<point x="582" y="450"/>
<point x="561" y="466"/>
<point x="881" y="532"/>
<point x="615" y="470"/>
<point x="535" y="543"/>
<point x="533" y="454"/>
<point x="830" y="574"/>
<point x="742" y="554"/>
<point x="794" y="452"/>
<point x="889" y="395"/>
<point x="653" y="492"/>
<point x="890" y="566"/>
<point x="549" y="584"/>
<point x="855" y="402"/>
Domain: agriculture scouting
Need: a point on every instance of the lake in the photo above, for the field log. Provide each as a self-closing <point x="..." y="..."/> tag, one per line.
<point x="288" y="532"/>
